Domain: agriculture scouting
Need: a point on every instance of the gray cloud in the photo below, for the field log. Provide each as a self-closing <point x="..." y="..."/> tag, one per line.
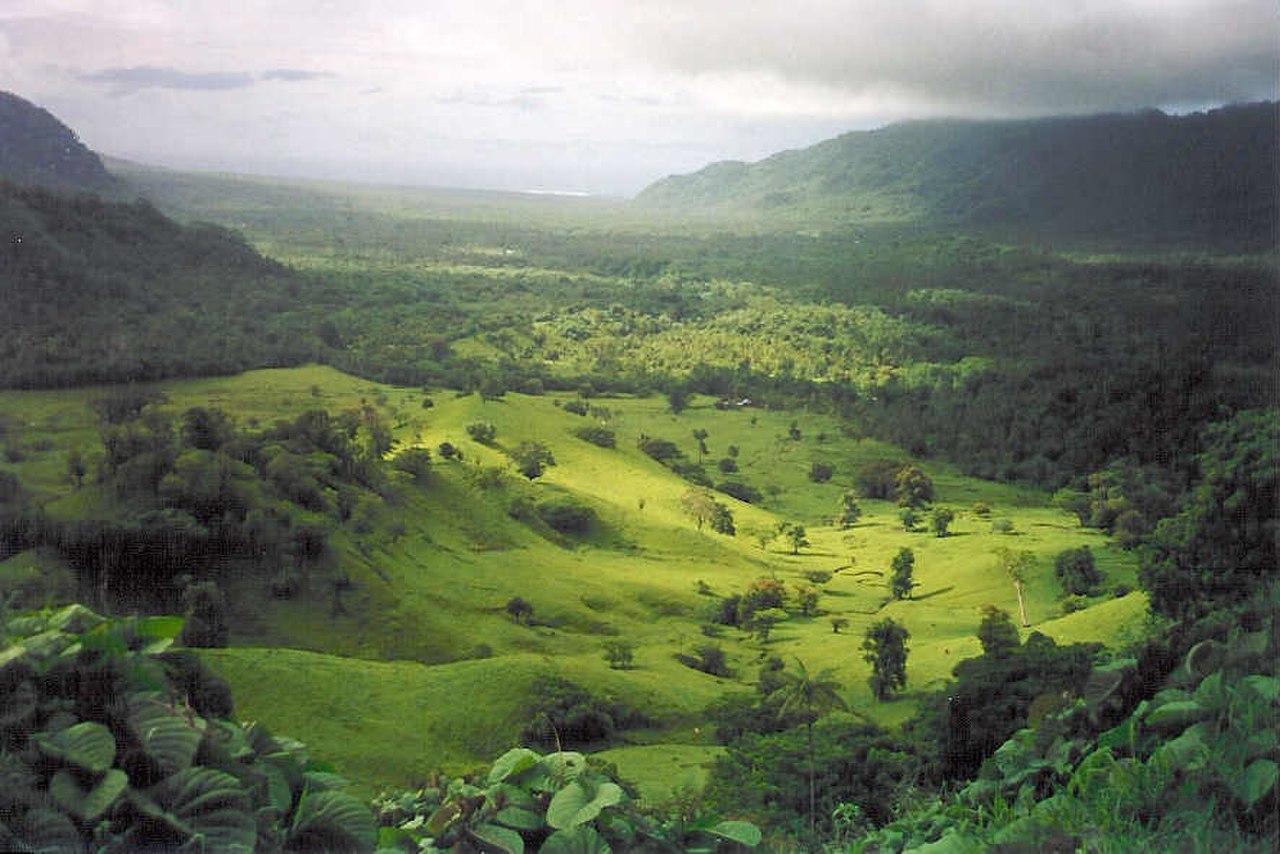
<point x="293" y="75"/>
<point x="985" y="56"/>
<point x="153" y="77"/>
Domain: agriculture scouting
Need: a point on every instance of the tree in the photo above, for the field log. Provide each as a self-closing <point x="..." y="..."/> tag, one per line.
<point x="1077" y="572"/>
<point x="620" y="654"/>
<point x="901" y="582"/>
<point x="850" y="510"/>
<point x="913" y="487"/>
<point x="821" y="472"/>
<point x="76" y="467"/>
<point x="940" y="520"/>
<point x="532" y="458"/>
<point x="700" y="436"/>
<point x="838" y="623"/>
<point x="678" y="399"/>
<point x="482" y="432"/>
<point x="806" y="596"/>
<point x="205" y="621"/>
<point x="909" y="519"/>
<point x="793" y="432"/>
<point x="997" y="633"/>
<point x="1017" y="566"/>
<point x="885" y="648"/>
<point x="722" y="520"/>
<point x="732" y="451"/>
<point x="519" y="610"/>
<point x="449" y="451"/>
<point x="206" y="429"/>
<point x="811" y="696"/>
<point x="699" y="504"/>
<point x="416" y="462"/>
<point x="796" y="536"/>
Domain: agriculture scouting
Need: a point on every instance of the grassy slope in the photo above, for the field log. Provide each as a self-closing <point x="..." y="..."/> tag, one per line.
<point x="382" y="691"/>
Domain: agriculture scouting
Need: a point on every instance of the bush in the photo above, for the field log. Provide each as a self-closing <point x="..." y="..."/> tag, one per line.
<point x="566" y="515"/>
<point x="879" y="479"/>
<point x="743" y="492"/>
<point x="599" y="436"/>
<point x="449" y="451"/>
<point x="821" y="472"/>
<point x="659" y="449"/>
<point x="1077" y="572"/>
<point x="1002" y="526"/>
<point x="416" y="462"/>
<point x="728" y="465"/>
<point x="567" y="712"/>
<point x="532" y="458"/>
<point x="577" y="406"/>
<point x="708" y="658"/>
<point x="482" y="432"/>
<point x="940" y="520"/>
<point x="619" y="654"/>
<point x="519" y="610"/>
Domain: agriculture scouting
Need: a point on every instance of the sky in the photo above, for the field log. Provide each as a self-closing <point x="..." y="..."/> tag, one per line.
<point x="601" y="96"/>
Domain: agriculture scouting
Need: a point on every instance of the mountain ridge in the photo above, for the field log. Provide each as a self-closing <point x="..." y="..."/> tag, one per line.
<point x="36" y="148"/>
<point x="1206" y="174"/>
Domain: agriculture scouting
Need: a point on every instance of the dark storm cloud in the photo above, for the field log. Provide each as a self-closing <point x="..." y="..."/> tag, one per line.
<point x="986" y="56"/>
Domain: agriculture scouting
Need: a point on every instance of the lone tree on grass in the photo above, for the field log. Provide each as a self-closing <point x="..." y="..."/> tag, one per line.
<point x="885" y="648"/>
<point x="901" y="582"/>
<point x="700" y="505"/>
<point x="700" y="436"/>
<point x="795" y="534"/>
<point x="811" y="696"/>
<point x="482" y="432"/>
<point x="850" y="510"/>
<point x="532" y="458"/>
<point x="940" y="520"/>
<point x="838" y="623"/>
<point x="1017" y="566"/>
<point x="519" y="610"/>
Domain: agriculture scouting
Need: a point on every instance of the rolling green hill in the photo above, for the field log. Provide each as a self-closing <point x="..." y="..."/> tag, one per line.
<point x="1145" y="175"/>
<point x="378" y="686"/>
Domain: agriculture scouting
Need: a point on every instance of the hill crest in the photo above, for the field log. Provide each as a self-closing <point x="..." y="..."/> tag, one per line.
<point x="37" y="148"/>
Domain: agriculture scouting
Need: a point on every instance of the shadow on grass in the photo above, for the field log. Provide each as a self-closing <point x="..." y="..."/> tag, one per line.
<point x="937" y="592"/>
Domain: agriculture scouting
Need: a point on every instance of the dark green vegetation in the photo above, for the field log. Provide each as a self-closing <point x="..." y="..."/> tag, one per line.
<point x="627" y="469"/>
<point x="1146" y="174"/>
<point x="36" y="148"/>
<point x="114" y="742"/>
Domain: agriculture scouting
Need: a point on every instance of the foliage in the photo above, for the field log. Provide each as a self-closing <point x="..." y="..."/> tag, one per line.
<point x="531" y="458"/>
<point x="1077" y="572"/>
<point x="912" y="487"/>
<point x="821" y="472"/>
<point x="940" y="520"/>
<point x="901" y="569"/>
<point x="884" y="647"/>
<point x="850" y="511"/>
<point x="565" y="713"/>
<point x="708" y="658"/>
<point x="119" y="745"/>
<point x="599" y="436"/>
<point x="519" y="610"/>
<point x="483" y="432"/>
<point x="566" y="515"/>
<point x="619" y="654"/>
<point x="553" y="803"/>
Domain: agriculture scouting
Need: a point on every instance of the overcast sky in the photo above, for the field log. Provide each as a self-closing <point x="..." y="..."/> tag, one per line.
<point x="596" y="95"/>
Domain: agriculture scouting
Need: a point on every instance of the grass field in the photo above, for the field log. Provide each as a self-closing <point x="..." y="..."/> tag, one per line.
<point x="425" y="670"/>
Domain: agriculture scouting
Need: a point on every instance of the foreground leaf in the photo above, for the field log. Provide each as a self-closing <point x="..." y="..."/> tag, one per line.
<point x="331" y="821"/>
<point x="87" y="804"/>
<point x="87" y="745"/>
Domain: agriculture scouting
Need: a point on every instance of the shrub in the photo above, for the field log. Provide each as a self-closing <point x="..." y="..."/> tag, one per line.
<point x="568" y="713"/>
<point x="619" y="654"/>
<point x="909" y="519"/>
<point x="598" y="436"/>
<point x="708" y="658"/>
<point x="821" y="472"/>
<point x="1002" y="526"/>
<point x="577" y="406"/>
<point x="741" y="491"/>
<point x="532" y="458"/>
<point x="878" y="479"/>
<point x="566" y="515"/>
<point x="817" y="576"/>
<point x="981" y="509"/>
<point x="519" y="610"/>
<point x="415" y="462"/>
<point x="482" y="432"/>
<point x="1077" y="572"/>
<point x="448" y="451"/>
<point x="661" y="450"/>
<point x="1074" y="603"/>
<point x="727" y="465"/>
<point x="912" y="487"/>
<point x="691" y="471"/>
<point x="940" y="520"/>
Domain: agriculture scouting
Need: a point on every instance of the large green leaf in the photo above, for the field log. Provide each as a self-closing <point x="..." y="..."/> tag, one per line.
<point x="212" y="806"/>
<point x="520" y="819"/>
<point x="741" y="832"/>
<point x="512" y="763"/>
<point x="506" y="841"/>
<point x="580" y="802"/>
<point x="579" y="840"/>
<point x="169" y="737"/>
<point x="87" y="803"/>
<point x="87" y="745"/>
<point x="1259" y="779"/>
<point x="331" y="821"/>
<point x="1267" y="687"/>
<point x="47" y="830"/>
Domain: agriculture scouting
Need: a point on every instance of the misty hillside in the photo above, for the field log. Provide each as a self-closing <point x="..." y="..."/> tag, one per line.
<point x="96" y="291"/>
<point x="36" y="148"/>
<point x="1146" y="174"/>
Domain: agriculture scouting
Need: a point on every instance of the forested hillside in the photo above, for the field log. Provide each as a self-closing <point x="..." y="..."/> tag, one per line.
<point x="36" y="148"/>
<point x="97" y="291"/>
<point x="1207" y="176"/>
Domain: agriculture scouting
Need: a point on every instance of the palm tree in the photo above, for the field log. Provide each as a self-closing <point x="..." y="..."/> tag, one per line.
<point x="814" y="696"/>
